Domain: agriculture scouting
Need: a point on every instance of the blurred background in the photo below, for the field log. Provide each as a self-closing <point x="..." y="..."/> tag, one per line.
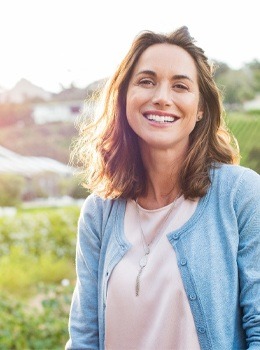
<point x="55" y="55"/>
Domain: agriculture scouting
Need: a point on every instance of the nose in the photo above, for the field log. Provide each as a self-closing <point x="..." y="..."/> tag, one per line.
<point x="162" y="95"/>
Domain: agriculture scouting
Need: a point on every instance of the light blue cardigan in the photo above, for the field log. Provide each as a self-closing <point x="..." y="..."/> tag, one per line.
<point x="218" y="254"/>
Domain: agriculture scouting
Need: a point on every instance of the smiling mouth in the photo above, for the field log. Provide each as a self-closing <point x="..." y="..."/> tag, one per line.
<point x="161" y="118"/>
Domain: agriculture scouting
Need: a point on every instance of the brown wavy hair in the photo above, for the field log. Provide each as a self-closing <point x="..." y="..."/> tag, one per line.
<point x="107" y="148"/>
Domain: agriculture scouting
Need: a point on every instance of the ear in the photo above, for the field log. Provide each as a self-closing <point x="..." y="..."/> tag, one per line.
<point x="200" y="111"/>
<point x="199" y="116"/>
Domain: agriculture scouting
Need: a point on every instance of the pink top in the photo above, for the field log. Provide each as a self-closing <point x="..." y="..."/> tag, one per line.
<point x="160" y="316"/>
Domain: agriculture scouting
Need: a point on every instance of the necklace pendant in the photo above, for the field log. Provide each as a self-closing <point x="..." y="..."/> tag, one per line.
<point x="137" y="284"/>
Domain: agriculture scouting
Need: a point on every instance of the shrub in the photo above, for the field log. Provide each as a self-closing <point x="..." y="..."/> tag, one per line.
<point x="11" y="189"/>
<point x="37" y="253"/>
<point x="44" y="327"/>
<point x="22" y="273"/>
<point x="37" y="246"/>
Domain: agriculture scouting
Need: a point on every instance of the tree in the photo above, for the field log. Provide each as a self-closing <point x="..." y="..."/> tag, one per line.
<point x="254" y="67"/>
<point x="220" y="69"/>
<point x="237" y="86"/>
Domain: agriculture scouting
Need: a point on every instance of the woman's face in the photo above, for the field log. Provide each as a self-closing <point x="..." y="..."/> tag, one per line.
<point x="162" y="101"/>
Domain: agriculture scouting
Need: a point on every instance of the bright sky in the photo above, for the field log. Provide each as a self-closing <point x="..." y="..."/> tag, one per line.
<point x="53" y="42"/>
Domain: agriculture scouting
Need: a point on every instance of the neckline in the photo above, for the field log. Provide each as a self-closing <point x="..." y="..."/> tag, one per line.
<point x="121" y="207"/>
<point x="177" y="202"/>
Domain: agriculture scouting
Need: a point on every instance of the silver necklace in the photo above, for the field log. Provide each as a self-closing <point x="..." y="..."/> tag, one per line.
<point x="147" y="247"/>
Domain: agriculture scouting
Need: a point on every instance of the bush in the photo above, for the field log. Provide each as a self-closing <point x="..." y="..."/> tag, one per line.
<point x="44" y="327"/>
<point x="72" y="187"/>
<point x="38" y="231"/>
<point x="22" y="273"/>
<point x="254" y="159"/>
<point x="37" y="254"/>
<point x="11" y="189"/>
<point x="37" y="246"/>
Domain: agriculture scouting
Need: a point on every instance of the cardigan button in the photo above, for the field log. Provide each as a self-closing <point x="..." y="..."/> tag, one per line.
<point x="183" y="262"/>
<point x="192" y="296"/>
<point x="176" y="236"/>
<point x="201" y="329"/>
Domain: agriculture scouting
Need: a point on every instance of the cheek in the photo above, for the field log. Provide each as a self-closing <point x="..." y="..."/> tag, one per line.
<point x="192" y="108"/>
<point x="131" y="105"/>
<point x="130" y="111"/>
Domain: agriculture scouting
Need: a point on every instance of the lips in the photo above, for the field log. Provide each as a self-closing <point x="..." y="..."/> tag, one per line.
<point x="161" y="118"/>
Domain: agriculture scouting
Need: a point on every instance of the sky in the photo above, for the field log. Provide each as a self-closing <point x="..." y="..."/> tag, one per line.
<point x="54" y="43"/>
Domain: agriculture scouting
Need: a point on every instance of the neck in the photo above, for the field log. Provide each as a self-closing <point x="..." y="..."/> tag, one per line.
<point x="163" y="182"/>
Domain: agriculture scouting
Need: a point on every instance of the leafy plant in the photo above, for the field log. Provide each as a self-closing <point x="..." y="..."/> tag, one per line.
<point x="37" y="253"/>
<point x="44" y="327"/>
<point x="11" y="188"/>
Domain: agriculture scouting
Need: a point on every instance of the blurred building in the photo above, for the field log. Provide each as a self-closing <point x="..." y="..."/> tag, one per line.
<point x="43" y="175"/>
<point x="56" y="111"/>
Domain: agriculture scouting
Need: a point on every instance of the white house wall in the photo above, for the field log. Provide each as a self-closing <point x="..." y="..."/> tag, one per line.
<point x="57" y="111"/>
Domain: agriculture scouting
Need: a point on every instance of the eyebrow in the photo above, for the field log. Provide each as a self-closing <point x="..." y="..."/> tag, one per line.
<point x="176" y="76"/>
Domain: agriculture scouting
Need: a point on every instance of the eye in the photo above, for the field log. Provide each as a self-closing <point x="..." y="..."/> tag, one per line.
<point x="146" y="82"/>
<point x="180" y="86"/>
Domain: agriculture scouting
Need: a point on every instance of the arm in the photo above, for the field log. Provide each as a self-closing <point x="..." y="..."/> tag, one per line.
<point x="83" y="321"/>
<point x="248" y="211"/>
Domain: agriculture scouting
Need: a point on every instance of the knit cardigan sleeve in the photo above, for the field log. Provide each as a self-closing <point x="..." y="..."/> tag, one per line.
<point x="83" y="320"/>
<point x="247" y="205"/>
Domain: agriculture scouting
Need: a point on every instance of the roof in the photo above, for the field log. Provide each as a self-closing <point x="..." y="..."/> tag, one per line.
<point x="11" y="162"/>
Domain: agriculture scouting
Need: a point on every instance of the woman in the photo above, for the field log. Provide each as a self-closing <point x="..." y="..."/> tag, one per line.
<point x="168" y="250"/>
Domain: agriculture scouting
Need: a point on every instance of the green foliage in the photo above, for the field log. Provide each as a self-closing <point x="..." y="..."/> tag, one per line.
<point x="246" y="129"/>
<point x="254" y="158"/>
<point x="254" y="67"/>
<point x="43" y="327"/>
<point x="220" y="68"/>
<point x="37" y="246"/>
<point x="37" y="254"/>
<point x="237" y="86"/>
<point x="11" y="188"/>
<point x="51" y="230"/>
<point x="22" y="273"/>
<point x="72" y="187"/>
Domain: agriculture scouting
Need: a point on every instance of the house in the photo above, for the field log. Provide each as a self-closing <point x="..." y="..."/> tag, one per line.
<point x="68" y="104"/>
<point x="11" y="162"/>
<point x="42" y="175"/>
<point x="47" y="107"/>
<point x="57" y="111"/>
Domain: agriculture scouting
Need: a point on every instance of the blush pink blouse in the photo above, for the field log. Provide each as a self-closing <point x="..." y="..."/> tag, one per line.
<point x="160" y="316"/>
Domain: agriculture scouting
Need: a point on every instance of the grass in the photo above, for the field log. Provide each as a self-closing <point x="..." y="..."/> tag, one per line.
<point x="246" y="128"/>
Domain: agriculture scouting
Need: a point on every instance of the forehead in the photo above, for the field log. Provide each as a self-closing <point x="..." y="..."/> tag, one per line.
<point x="167" y="58"/>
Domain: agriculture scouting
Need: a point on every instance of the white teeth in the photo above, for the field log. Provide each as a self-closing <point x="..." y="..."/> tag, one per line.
<point x="160" y="119"/>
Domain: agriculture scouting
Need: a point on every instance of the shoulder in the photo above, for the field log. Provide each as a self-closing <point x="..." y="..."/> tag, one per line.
<point x="97" y="210"/>
<point x="95" y="202"/>
<point x="230" y="176"/>
<point x="236" y="184"/>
